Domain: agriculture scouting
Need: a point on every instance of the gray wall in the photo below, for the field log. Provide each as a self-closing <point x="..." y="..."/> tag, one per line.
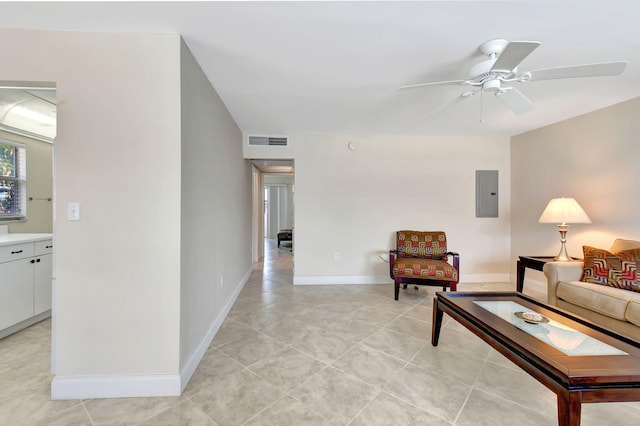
<point x="216" y="210"/>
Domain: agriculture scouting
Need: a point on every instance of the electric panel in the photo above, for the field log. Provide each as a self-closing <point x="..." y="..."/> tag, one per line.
<point x="486" y="193"/>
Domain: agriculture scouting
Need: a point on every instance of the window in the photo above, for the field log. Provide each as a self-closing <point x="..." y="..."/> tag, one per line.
<point x="13" y="181"/>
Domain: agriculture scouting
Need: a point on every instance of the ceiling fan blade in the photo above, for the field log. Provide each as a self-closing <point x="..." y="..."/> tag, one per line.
<point x="515" y="100"/>
<point x="435" y="83"/>
<point x="579" y="71"/>
<point x="513" y="54"/>
<point x="454" y="101"/>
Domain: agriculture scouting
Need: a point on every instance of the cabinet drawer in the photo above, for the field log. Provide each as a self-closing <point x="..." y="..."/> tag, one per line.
<point x="15" y="252"/>
<point x="43" y="247"/>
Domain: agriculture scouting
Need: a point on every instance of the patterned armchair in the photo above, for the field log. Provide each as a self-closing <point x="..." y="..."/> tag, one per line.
<point x="422" y="258"/>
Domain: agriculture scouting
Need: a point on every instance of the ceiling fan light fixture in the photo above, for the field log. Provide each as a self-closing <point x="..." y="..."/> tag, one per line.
<point x="492" y="85"/>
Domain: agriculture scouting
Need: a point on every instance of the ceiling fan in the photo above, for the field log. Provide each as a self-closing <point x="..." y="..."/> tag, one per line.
<point x="499" y="71"/>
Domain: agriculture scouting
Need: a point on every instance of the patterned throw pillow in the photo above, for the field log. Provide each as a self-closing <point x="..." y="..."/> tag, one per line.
<point x="619" y="270"/>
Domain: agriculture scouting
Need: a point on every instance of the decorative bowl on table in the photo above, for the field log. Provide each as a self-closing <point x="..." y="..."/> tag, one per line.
<point x="531" y="317"/>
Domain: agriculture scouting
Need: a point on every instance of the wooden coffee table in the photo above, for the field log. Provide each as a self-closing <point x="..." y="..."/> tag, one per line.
<point x="580" y="361"/>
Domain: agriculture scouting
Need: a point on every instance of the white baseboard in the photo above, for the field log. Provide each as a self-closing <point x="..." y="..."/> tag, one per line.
<point x="485" y="278"/>
<point x="341" y="279"/>
<point x="24" y="324"/>
<point x="384" y="279"/>
<point x="87" y="387"/>
<point x="191" y="365"/>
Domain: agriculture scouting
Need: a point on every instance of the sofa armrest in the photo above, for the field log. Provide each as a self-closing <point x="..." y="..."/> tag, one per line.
<point x="560" y="271"/>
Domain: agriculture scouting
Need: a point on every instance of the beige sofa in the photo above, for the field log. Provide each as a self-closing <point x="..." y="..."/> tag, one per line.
<point x="611" y="307"/>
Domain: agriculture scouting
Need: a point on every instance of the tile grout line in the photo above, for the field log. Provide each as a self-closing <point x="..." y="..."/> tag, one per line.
<point x="84" y="407"/>
<point x="472" y="388"/>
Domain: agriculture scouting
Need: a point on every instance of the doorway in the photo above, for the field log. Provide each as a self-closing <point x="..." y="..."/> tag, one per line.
<point x="29" y="118"/>
<point x="273" y="201"/>
<point x="278" y="211"/>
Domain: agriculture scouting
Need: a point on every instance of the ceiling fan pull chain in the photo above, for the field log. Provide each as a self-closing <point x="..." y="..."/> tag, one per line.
<point x="481" y="106"/>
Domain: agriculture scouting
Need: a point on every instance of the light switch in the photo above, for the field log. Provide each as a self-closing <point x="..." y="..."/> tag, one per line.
<point x="74" y="211"/>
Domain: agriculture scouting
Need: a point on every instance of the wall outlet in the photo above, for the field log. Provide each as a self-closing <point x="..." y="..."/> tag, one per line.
<point x="336" y="255"/>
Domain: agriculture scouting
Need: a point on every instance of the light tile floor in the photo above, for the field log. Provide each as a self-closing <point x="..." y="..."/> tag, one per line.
<point x="313" y="355"/>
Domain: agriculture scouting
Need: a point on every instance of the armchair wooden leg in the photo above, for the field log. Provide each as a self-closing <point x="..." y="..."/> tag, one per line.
<point x="454" y="286"/>
<point x="397" y="287"/>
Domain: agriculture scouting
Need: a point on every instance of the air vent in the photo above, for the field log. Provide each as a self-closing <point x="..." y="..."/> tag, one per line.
<point x="267" y="141"/>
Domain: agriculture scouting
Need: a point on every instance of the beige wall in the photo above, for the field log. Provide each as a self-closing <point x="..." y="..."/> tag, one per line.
<point x="353" y="201"/>
<point x="117" y="292"/>
<point x="278" y="179"/>
<point x="148" y="150"/>
<point x="117" y="154"/>
<point x="592" y="158"/>
<point x="39" y="185"/>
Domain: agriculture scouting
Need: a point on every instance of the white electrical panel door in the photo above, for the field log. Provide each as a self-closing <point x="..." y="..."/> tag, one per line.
<point x="486" y="193"/>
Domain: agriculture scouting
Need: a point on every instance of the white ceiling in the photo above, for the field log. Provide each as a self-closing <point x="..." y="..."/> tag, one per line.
<point x="28" y="111"/>
<point x="274" y="166"/>
<point x="335" y="67"/>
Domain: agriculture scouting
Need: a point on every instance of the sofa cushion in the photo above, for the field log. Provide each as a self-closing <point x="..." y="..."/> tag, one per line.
<point x="633" y="312"/>
<point x="605" y="300"/>
<point x="621" y="245"/>
<point x="604" y="268"/>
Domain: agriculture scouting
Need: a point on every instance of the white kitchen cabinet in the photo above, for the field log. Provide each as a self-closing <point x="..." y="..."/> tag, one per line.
<point x="25" y="282"/>
<point x="16" y="292"/>
<point x="43" y="264"/>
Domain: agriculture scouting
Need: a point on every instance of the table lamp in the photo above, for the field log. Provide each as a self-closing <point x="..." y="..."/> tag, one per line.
<point x="563" y="211"/>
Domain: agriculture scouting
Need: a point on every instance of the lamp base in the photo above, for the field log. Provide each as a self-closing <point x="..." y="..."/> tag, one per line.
<point x="562" y="255"/>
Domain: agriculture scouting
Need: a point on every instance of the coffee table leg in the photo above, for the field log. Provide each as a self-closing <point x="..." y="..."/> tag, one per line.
<point x="436" y="323"/>
<point x="569" y="408"/>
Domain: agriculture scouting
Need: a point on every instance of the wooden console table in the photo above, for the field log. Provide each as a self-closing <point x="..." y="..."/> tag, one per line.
<point x="531" y="262"/>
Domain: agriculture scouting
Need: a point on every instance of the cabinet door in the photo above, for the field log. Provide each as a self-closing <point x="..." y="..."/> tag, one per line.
<point x="42" y="284"/>
<point x="16" y="292"/>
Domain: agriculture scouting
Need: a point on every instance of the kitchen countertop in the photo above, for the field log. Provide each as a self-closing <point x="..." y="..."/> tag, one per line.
<point x="17" y="238"/>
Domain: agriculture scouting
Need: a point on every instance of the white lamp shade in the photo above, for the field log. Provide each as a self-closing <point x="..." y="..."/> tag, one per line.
<point x="563" y="210"/>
